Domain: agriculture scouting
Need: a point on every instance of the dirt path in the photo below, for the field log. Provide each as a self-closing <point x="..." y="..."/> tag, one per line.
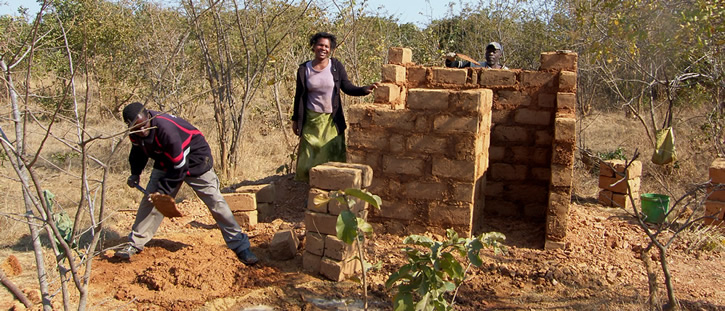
<point x="188" y="267"/>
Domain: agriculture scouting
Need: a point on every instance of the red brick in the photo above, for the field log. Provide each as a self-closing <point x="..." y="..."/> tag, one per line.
<point x="427" y="144"/>
<point x="566" y="101"/>
<point x="321" y="223"/>
<point x="428" y="99"/>
<point x="537" y="79"/>
<point x="501" y="116"/>
<point x="264" y="193"/>
<point x="335" y="178"/>
<point x="315" y="243"/>
<point x="552" y="245"/>
<point x="367" y="157"/>
<point x="246" y="220"/>
<point x="608" y="183"/>
<point x="314" y="193"/>
<point x="388" y="118"/>
<point x="386" y="93"/>
<point x="473" y="100"/>
<point x="514" y="98"/>
<point x="463" y="192"/>
<point x="567" y="81"/>
<point x="717" y="171"/>
<point x="509" y="133"/>
<point x="407" y="166"/>
<point x="241" y="202"/>
<point x="398" y="210"/>
<point x="496" y="153"/>
<point x="565" y="129"/>
<point x="398" y="55"/>
<point x="503" y="171"/>
<point x="460" y="170"/>
<point x="424" y="190"/>
<point x="609" y="167"/>
<point x="417" y="74"/>
<point x="284" y="245"/>
<point x="559" y="61"/>
<point x="393" y="73"/>
<point x="716" y="192"/>
<point x="311" y="262"/>
<point x="556" y="227"/>
<point x="450" y="124"/>
<point x="450" y="76"/>
<point x="366" y="171"/>
<point x="446" y="214"/>
<point x="368" y="139"/>
<point x="543" y="138"/>
<point x="605" y="198"/>
<point x="360" y="114"/>
<point x="622" y="200"/>
<point x="715" y="209"/>
<point x="534" y="117"/>
<point x="490" y="78"/>
<point x="547" y="100"/>
<point x="337" y="249"/>
<point x="561" y="176"/>
<point x="339" y="270"/>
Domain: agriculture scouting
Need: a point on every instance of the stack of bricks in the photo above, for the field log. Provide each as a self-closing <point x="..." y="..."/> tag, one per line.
<point x="715" y="204"/>
<point x="249" y="203"/>
<point x="324" y="252"/>
<point x="613" y="181"/>
<point x="449" y="145"/>
<point x="428" y="147"/>
<point x="563" y="146"/>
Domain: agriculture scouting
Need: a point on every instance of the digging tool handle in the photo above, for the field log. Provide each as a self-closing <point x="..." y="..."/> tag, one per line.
<point x="141" y="188"/>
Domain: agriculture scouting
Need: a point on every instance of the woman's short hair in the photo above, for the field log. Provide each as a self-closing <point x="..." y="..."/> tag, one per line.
<point x="316" y="37"/>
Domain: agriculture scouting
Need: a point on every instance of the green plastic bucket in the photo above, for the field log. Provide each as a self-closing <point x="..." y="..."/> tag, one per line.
<point x="654" y="207"/>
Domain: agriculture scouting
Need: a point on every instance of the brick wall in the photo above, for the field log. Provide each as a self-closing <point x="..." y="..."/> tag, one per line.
<point x="715" y="204"/>
<point x="451" y="145"/>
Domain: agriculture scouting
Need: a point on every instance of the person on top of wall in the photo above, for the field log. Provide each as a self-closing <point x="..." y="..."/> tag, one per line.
<point x="318" y="117"/>
<point x="180" y="154"/>
<point x="494" y="51"/>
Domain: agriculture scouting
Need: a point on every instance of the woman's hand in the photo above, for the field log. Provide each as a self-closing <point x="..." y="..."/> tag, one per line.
<point x="369" y="88"/>
<point x="294" y="128"/>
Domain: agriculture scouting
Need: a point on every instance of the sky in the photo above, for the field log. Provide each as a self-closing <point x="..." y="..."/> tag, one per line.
<point x="418" y="12"/>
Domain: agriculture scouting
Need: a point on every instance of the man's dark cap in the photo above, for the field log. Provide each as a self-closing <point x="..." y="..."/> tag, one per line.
<point x="495" y="45"/>
<point x="131" y="112"/>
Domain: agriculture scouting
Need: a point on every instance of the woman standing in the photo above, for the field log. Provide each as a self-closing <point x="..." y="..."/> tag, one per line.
<point x="318" y="117"/>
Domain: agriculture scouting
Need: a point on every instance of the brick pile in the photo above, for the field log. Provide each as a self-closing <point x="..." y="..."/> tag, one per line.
<point x="324" y="252"/>
<point x="449" y="145"/>
<point x="613" y="181"/>
<point x="715" y="204"/>
<point x="249" y="203"/>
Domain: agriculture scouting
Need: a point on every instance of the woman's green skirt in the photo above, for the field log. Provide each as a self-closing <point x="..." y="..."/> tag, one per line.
<point x="319" y="143"/>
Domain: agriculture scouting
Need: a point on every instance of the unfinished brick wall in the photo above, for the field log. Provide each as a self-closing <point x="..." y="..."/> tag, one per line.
<point x="451" y="145"/>
<point x="324" y="252"/>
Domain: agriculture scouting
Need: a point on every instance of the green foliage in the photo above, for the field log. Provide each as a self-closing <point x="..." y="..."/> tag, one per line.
<point x="423" y="283"/>
<point x="616" y="154"/>
<point x="64" y="156"/>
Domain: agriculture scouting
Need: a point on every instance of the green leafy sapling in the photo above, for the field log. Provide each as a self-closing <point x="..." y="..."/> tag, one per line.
<point x="423" y="283"/>
<point x="351" y="228"/>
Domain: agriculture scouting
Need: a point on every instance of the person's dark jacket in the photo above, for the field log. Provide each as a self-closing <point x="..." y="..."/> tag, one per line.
<point x="465" y="63"/>
<point x="177" y="147"/>
<point x="339" y="75"/>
